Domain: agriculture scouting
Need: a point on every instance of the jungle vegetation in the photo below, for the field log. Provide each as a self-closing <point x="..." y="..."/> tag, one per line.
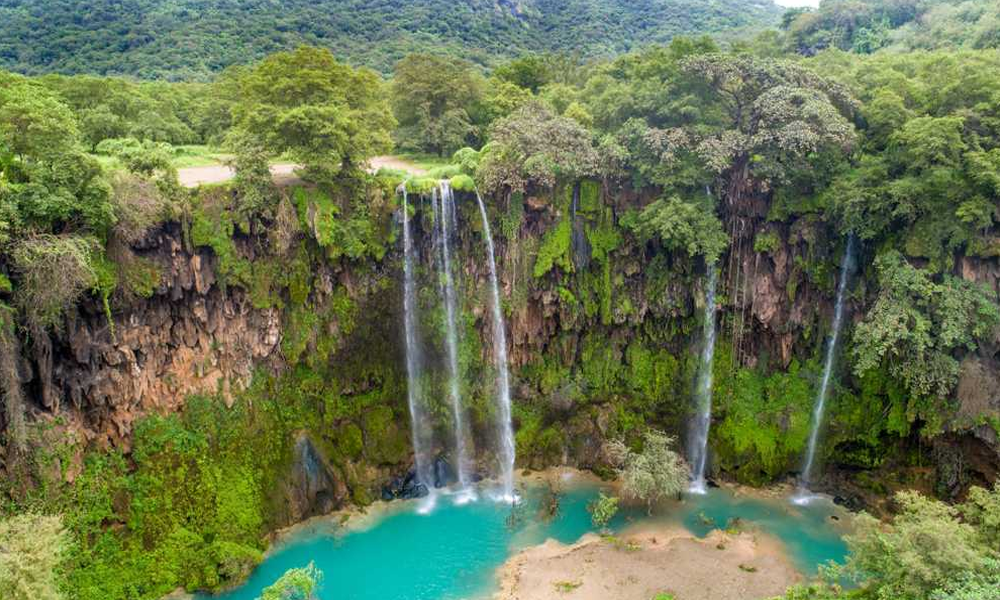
<point x="900" y="149"/>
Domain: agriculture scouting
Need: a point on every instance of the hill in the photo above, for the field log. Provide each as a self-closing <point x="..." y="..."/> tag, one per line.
<point x="866" y="26"/>
<point x="191" y="39"/>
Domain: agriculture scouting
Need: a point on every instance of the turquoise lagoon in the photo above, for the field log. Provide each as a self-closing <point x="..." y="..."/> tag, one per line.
<point x="405" y="552"/>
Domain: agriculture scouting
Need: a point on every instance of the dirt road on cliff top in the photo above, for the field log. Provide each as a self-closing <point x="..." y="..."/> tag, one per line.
<point x="283" y="174"/>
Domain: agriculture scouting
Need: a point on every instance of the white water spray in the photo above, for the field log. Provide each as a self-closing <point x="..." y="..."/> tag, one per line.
<point x="446" y="219"/>
<point x="698" y="444"/>
<point x="506" y="429"/>
<point x="828" y="364"/>
<point x="419" y="423"/>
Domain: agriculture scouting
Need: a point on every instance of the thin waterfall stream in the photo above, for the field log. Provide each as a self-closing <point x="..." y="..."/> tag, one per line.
<point x="447" y="288"/>
<point x="504" y="426"/>
<point x="698" y="445"/>
<point x="419" y="422"/>
<point x="831" y="353"/>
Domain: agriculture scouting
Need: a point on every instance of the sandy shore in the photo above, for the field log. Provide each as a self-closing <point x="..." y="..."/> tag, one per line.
<point x="646" y="561"/>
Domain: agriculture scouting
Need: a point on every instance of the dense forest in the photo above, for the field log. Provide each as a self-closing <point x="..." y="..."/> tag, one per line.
<point x="829" y="127"/>
<point x="190" y="40"/>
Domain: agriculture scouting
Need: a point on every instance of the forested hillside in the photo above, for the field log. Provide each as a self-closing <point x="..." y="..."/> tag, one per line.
<point x="866" y="26"/>
<point x="191" y="39"/>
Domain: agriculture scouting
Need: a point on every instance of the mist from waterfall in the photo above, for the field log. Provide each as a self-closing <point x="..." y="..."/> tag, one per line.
<point x="445" y="219"/>
<point x="698" y="441"/>
<point x="819" y="406"/>
<point x="419" y="423"/>
<point x="503" y="413"/>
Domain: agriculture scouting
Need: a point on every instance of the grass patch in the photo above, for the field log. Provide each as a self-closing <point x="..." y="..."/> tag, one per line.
<point x="565" y="587"/>
<point x="425" y="161"/>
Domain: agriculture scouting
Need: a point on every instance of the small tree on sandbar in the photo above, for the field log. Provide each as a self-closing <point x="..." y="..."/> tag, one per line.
<point x="655" y="473"/>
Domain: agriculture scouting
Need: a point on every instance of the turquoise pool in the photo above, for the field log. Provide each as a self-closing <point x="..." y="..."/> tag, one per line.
<point x="452" y="551"/>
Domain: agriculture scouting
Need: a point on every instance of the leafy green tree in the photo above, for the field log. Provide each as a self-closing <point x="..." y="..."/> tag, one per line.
<point x="502" y="98"/>
<point x="931" y="163"/>
<point x="257" y="196"/>
<point x="435" y="100"/>
<point x="534" y="145"/>
<point x="32" y="549"/>
<point x="530" y="72"/>
<point x="655" y="473"/>
<point x="915" y="327"/>
<point x="322" y="114"/>
<point x="772" y="117"/>
<point x="929" y="546"/>
<point x="295" y="584"/>
<point x="46" y="181"/>
<point x="690" y="227"/>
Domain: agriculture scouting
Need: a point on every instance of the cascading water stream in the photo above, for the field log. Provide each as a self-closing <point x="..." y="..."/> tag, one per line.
<point x="419" y="423"/>
<point x="446" y="218"/>
<point x="828" y="364"/>
<point x="698" y="445"/>
<point x="506" y="429"/>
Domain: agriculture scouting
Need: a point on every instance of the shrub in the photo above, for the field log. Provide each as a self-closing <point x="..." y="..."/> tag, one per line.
<point x="32" y="548"/>
<point x="602" y="510"/>
<point x="54" y="271"/>
<point x="295" y="584"/>
<point x="655" y="473"/>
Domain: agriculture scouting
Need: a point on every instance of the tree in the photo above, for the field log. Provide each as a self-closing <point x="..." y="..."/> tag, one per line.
<point x="434" y="100"/>
<point x="253" y="180"/>
<point x="690" y="227"/>
<point x="602" y="510"/>
<point x="31" y="553"/>
<point x="655" y="473"/>
<point x="916" y="325"/>
<point x="323" y="114"/>
<point x="534" y="145"/>
<point x="929" y="546"/>
<point x="529" y="72"/>
<point x="771" y="118"/>
<point x="46" y="180"/>
<point x="295" y="584"/>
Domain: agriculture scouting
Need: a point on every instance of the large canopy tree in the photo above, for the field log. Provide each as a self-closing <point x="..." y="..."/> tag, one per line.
<point x="323" y="114"/>
<point x="436" y="100"/>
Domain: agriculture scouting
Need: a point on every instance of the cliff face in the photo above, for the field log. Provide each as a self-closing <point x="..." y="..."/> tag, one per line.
<point x="190" y="337"/>
<point x="604" y="335"/>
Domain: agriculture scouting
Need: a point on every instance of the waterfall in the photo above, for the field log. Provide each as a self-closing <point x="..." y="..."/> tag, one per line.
<point x="506" y="430"/>
<point x="419" y="423"/>
<point x="698" y="444"/>
<point x="824" y="387"/>
<point x="446" y="219"/>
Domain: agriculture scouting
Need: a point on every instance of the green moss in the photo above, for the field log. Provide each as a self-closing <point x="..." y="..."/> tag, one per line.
<point x="511" y="221"/>
<point x="349" y="441"/>
<point x="766" y="241"/>
<point x="765" y="418"/>
<point x="141" y="276"/>
<point x="421" y="185"/>
<point x="462" y="183"/>
<point x="600" y="367"/>
<point x="590" y="196"/>
<point x="299" y="331"/>
<point x="555" y="250"/>
<point x="5" y="285"/>
<point x="345" y="222"/>
<point x="189" y="509"/>
<point x="213" y="226"/>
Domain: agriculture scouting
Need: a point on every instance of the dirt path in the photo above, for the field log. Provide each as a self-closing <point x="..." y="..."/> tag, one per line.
<point x="192" y="177"/>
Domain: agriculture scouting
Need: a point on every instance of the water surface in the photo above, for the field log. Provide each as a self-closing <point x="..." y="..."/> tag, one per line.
<point x="453" y="551"/>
